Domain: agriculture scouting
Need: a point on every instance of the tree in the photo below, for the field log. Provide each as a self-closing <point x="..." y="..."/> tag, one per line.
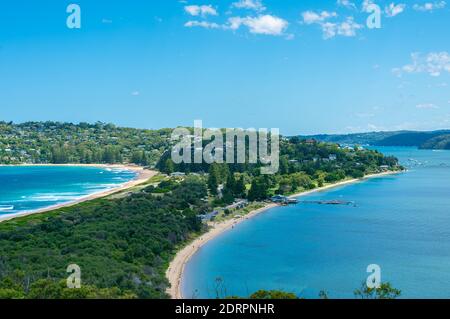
<point x="192" y="219"/>
<point x="108" y="156"/>
<point x="239" y="187"/>
<point x="284" y="165"/>
<point x="231" y="183"/>
<point x="213" y="178"/>
<point x="385" y="291"/>
<point x="136" y="158"/>
<point x="229" y="191"/>
<point x="169" y="166"/>
<point x="253" y="193"/>
<point x="227" y="196"/>
<point x="258" y="189"/>
<point x="285" y="186"/>
<point x="273" y="294"/>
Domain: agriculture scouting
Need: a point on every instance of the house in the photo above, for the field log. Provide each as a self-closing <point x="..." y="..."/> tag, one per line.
<point x="178" y="174"/>
<point x="384" y="167"/>
<point x="332" y="157"/>
<point x="209" y="216"/>
<point x="311" y="142"/>
<point x="239" y="205"/>
<point x="279" y="199"/>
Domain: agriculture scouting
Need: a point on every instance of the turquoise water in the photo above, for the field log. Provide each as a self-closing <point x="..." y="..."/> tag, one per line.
<point x="401" y="223"/>
<point x="27" y="188"/>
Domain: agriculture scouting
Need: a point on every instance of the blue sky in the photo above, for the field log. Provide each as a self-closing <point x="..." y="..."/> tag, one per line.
<point x="298" y="65"/>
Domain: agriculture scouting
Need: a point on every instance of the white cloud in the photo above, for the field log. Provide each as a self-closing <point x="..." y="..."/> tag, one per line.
<point x="430" y="6"/>
<point x="201" y="24"/>
<point x="203" y="10"/>
<point x="427" y="106"/>
<point x="235" y="23"/>
<point x="394" y="9"/>
<point x="135" y="93"/>
<point x="347" y="28"/>
<point x="250" y="5"/>
<point x="329" y="30"/>
<point x="366" y="4"/>
<point x="264" y="24"/>
<point x="310" y="17"/>
<point x="434" y="63"/>
<point x="346" y="3"/>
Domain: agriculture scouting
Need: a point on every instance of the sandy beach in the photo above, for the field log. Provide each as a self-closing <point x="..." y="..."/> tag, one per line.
<point x="176" y="268"/>
<point x="142" y="176"/>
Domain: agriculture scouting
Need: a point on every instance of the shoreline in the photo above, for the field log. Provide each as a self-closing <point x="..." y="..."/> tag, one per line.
<point x="142" y="176"/>
<point x="177" y="266"/>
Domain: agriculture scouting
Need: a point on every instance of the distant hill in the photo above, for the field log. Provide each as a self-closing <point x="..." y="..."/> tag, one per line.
<point x="425" y="140"/>
<point x="359" y="138"/>
<point x="441" y="142"/>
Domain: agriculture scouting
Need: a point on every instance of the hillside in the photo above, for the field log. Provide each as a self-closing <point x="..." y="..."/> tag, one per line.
<point x="424" y="140"/>
<point x="357" y="138"/>
<point x="440" y="142"/>
<point x="60" y="143"/>
<point x="121" y="244"/>
<point x="124" y="243"/>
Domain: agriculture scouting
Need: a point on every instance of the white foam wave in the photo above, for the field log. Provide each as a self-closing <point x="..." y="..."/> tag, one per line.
<point x="54" y="197"/>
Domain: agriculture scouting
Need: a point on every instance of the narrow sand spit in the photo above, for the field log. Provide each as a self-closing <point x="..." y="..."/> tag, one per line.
<point x="142" y="176"/>
<point x="176" y="268"/>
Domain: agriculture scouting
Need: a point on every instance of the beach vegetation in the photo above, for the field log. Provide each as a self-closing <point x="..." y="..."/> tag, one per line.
<point x="122" y="245"/>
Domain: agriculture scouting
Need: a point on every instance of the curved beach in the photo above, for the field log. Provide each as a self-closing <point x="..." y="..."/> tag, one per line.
<point x="142" y="176"/>
<point x="176" y="268"/>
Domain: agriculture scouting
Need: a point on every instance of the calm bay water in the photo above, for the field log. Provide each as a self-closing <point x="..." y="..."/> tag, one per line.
<point x="27" y="188"/>
<point x="401" y="223"/>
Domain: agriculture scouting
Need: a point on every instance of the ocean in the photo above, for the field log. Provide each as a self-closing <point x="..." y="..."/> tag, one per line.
<point x="399" y="222"/>
<point x="29" y="188"/>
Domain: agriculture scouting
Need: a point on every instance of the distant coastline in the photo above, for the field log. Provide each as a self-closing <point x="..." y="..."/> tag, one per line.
<point x="176" y="268"/>
<point x="142" y="176"/>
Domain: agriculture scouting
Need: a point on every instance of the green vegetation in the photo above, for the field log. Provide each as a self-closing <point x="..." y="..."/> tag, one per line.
<point x="441" y="142"/>
<point x="60" y="143"/>
<point x="425" y="140"/>
<point x="125" y="242"/>
<point x="273" y="294"/>
<point x="123" y="246"/>
<point x="304" y="165"/>
<point x="385" y="291"/>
